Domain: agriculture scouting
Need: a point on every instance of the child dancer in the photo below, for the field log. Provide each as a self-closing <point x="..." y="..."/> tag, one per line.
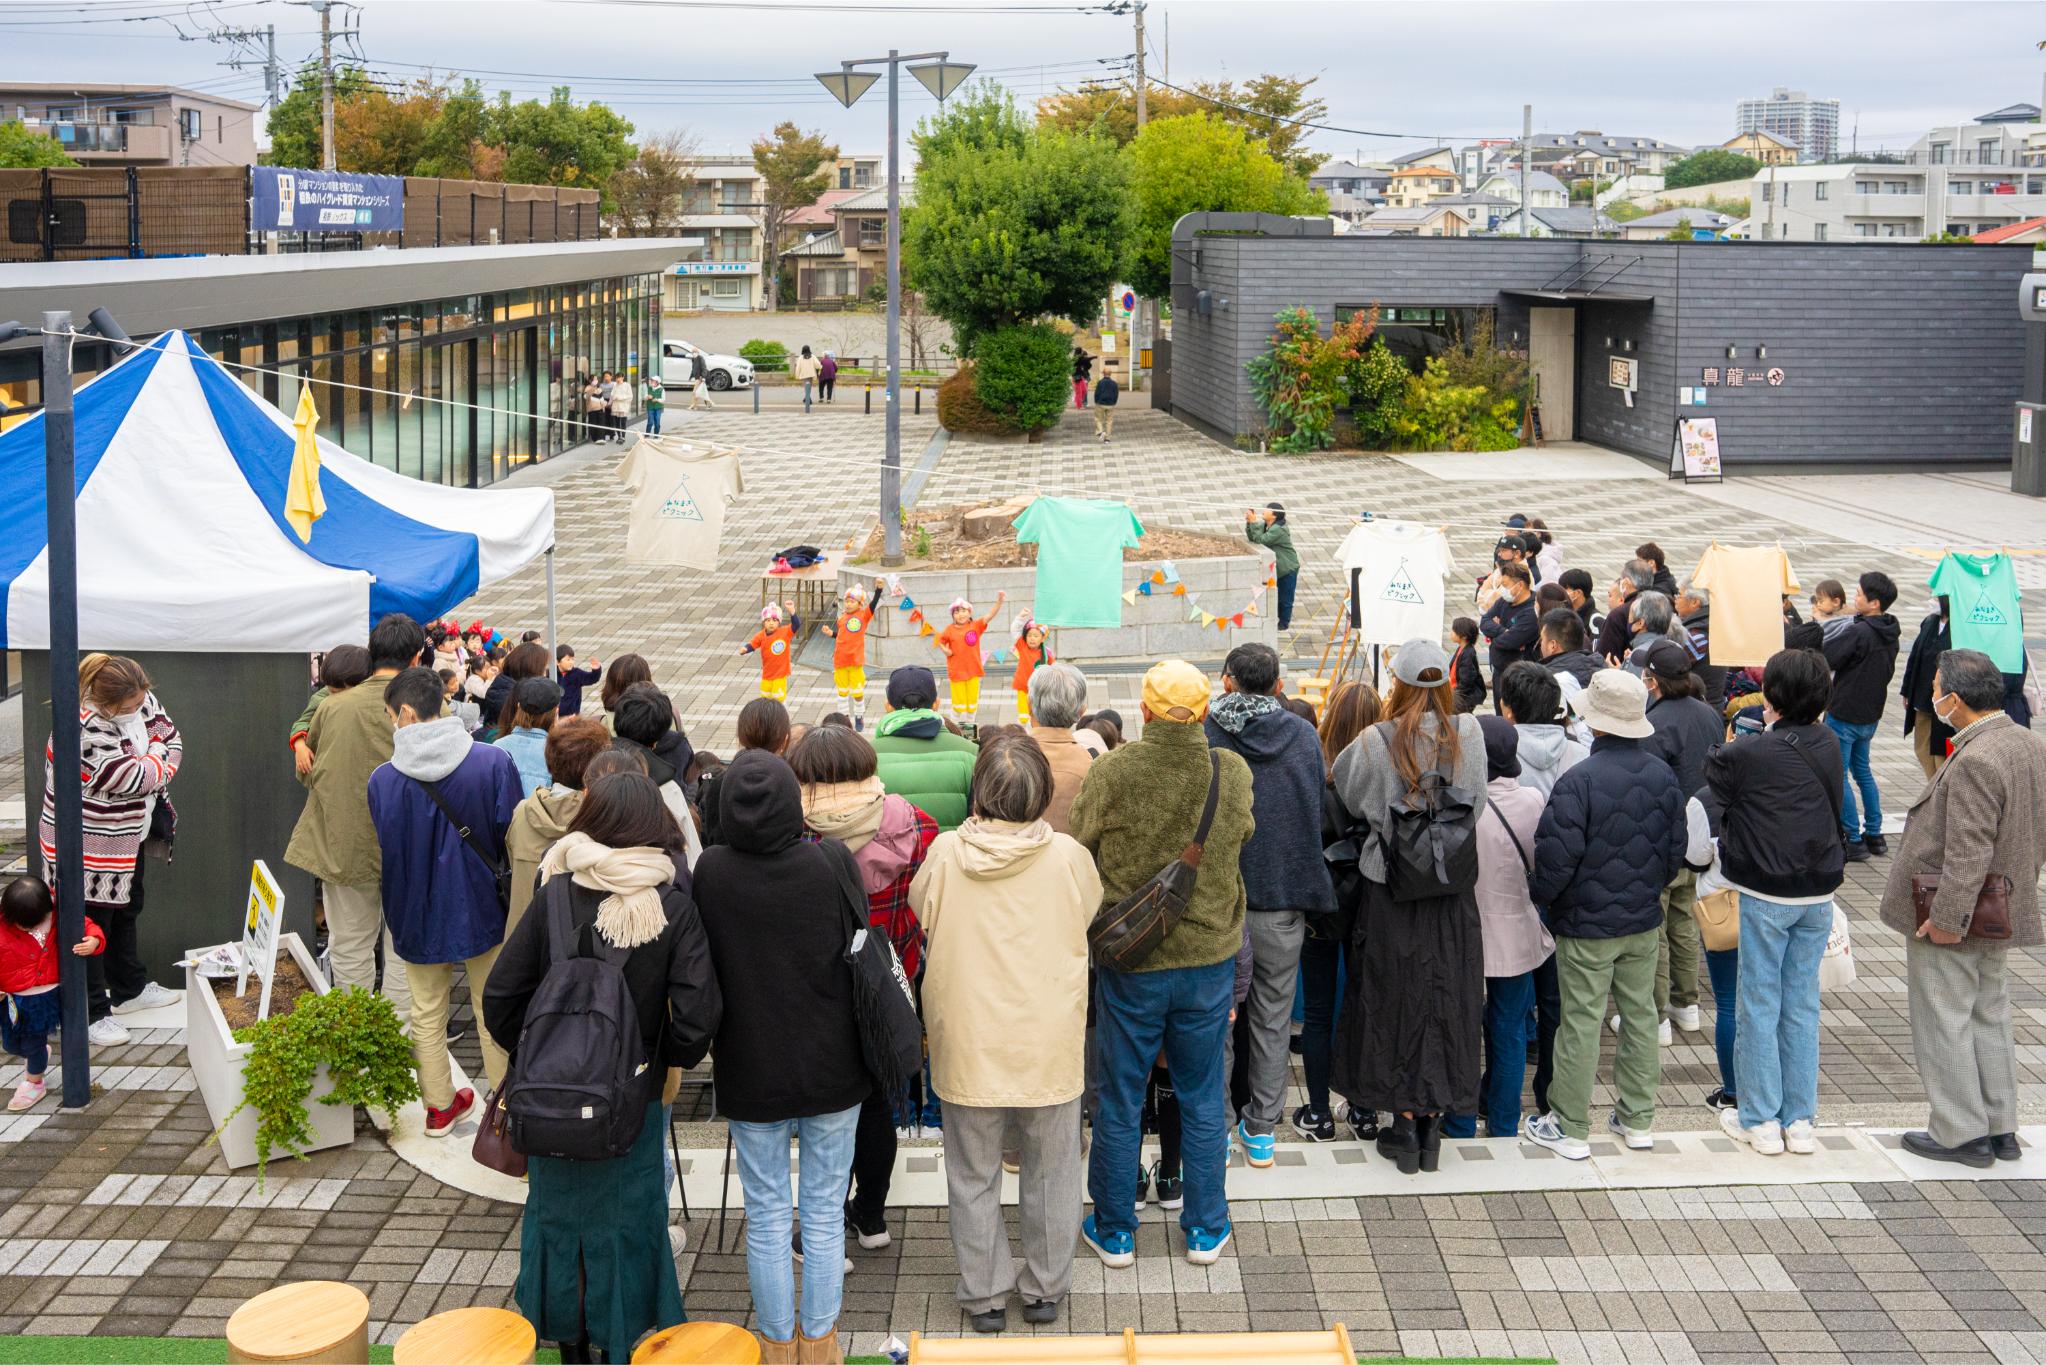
<point x="960" y="642"/>
<point x="775" y="640"/>
<point x="1032" y="648"/>
<point x="28" y="976"/>
<point x="849" y="655"/>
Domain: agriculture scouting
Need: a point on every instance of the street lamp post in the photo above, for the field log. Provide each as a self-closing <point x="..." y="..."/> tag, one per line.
<point x="941" y="78"/>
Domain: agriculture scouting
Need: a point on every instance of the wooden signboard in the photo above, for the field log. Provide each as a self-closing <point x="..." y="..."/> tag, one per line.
<point x="259" y="934"/>
<point x="1694" y="450"/>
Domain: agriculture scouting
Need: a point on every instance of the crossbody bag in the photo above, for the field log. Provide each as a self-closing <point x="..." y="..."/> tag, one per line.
<point x="500" y="871"/>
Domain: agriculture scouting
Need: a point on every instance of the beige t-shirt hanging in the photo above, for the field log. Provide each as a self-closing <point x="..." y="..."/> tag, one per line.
<point x="1747" y="587"/>
<point x="679" y="491"/>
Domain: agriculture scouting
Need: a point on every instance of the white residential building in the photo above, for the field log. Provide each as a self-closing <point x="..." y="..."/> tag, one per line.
<point x="1813" y="125"/>
<point x="1544" y="191"/>
<point x="1963" y="179"/>
<point x="720" y="226"/>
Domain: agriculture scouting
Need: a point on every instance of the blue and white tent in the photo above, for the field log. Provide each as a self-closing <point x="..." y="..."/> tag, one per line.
<point x="182" y="541"/>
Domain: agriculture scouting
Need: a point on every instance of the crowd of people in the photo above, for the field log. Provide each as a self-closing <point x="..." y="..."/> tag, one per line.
<point x="1453" y="897"/>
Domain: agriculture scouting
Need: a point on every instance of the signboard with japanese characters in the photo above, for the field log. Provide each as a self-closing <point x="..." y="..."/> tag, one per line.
<point x="259" y="934"/>
<point x="1622" y="372"/>
<point x="1694" y="451"/>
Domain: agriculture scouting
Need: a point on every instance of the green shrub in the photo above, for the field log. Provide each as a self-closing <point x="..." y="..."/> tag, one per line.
<point x="1023" y="374"/>
<point x="1377" y="381"/>
<point x="765" y="355"/>
<point x="1441" y="414"/>
<point x="1477" y="359"/>
<point x="960" y="410"/>
<point x="1300" y="380"/>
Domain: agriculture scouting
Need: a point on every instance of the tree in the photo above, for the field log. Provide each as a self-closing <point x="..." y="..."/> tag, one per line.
<point x="1194" y="163"/>
<point x="981" y="118"/>
<point x="648" y="189"/>
<point x="453" y="147"/>
<point x="1007" y="231"/>
<point x="294" y="124"/>
<point x="794" y="169"/>
<point x="1709" y="165"/>
<point x="377" y="134"/>
<point x="1680" y="231"/>
<point x="21" y="146"/>
<point x="580" y="146"/>
<point x="1949" y="239"/>
<point x="1270" y="108"/>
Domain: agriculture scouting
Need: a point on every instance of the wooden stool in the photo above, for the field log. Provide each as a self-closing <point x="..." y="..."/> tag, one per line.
<point x="468" y="1336"/>
<point x="712" y="1343"/>
<point x="318" y="1322"/>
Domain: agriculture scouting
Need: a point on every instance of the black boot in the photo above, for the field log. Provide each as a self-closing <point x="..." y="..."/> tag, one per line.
<point x="1428" y="1134"/>
<point x="1400" y="1144"/>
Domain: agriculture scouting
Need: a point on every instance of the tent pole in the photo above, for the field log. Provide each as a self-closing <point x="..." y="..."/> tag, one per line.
<point x="553" y="641"/>
<point x="67" y="796"/>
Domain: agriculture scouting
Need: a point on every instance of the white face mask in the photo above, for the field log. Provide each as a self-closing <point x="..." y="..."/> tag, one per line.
<point x="1941" y="714"/>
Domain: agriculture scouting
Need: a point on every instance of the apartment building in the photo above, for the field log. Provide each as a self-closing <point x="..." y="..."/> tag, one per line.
<point x="1412" y="186"/>
<point x="1770" y="149"/>
<point x="135" y="125"/>
<point x="859" y="172"/>
<point x="1544" y="191"/>
<point x="1812" y="126"/>
<point x="720" y="230"/>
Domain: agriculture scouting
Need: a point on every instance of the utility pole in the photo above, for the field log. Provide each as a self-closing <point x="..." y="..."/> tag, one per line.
<point x="1140" y="65"/>
<point x="273" y="74"/>
<point x="891" y="457"/>
<point x="326" y="9"/>
<point x="67" y="797"/>
<point x="1526" y="138"/>
<point x="1145" y="307"/>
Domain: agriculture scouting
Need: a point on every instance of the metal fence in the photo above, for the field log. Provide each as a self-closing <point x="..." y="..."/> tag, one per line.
<point x="95" y="213"/>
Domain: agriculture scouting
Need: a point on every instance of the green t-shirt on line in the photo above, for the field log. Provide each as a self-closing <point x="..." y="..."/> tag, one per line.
<point x="1079" y="558"/>
<point x="1982" y="597"/>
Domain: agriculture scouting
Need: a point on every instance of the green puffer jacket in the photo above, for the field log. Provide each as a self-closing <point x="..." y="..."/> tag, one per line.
<point x="926" y="764"/>
<point x="1278" y="538"/>
<point x="1138" y="810"/>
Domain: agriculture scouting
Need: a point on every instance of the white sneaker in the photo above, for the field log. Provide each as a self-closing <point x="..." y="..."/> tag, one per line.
<point x="153" y="997"/>
<point x="1639" y="1139"/>
<point x="1614" y="1023"/>
<point x="1765" y="1138"/>
<point x="108" y="1032"/>
<point x="1546" y="1130"/>
<point x="678" y="1239"/>
<point x="1662" y="1033"/>
<point x="1800" y="1139"/>
<point x="1689" y="1018"/>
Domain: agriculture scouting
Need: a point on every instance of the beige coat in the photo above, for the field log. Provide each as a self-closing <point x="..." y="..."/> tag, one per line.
<point x="1069" y="764"/>
<point x="536" y="823"/>
<point x="350" y="738"/>
<point x="1984" y="813"/>
<point x="1005" y="909"/>
<point x="805" y="368"/>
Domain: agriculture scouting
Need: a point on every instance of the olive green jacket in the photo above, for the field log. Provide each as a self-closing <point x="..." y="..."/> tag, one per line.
<point x="1137" y="811"/>
<point x="1278" y="538"/>
<point x="351" y="738"/>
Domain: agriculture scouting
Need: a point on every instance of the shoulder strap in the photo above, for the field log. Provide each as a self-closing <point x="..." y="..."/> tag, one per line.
<point x="560" y="927"/>
<point x="462" y="831"/>
<point x="1192" y="854"/>
<point x="1825" y="787"/>
<point x="1518" y="847"/>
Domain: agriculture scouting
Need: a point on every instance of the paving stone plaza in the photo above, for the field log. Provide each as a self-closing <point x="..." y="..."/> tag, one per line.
<point x="122" y="1219"/>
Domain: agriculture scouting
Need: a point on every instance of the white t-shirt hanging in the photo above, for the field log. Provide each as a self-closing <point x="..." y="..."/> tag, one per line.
<point x="678" y="506"/>
<point x="1397" y="573"/>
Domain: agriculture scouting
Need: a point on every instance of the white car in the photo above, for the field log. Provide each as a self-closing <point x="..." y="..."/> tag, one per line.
<point x="723" y="371"/>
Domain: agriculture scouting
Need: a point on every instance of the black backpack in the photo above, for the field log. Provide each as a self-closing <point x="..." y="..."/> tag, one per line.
<point x="1430" y="843"/>
<point x="579" y="1088"/>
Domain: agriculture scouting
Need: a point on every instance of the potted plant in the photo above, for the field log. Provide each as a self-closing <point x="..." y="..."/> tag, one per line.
<point x="291" y="1081"/>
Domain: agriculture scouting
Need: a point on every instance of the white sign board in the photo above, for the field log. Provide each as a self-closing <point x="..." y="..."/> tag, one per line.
<point x="259" y="934"/>
<point x="1108" y="343"/>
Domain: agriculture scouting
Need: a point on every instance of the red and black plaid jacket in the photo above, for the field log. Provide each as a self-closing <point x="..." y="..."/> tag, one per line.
<point x="888" y="909"/>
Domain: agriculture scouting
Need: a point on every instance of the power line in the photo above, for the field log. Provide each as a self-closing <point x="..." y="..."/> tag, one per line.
<point x="1308" y="123"/>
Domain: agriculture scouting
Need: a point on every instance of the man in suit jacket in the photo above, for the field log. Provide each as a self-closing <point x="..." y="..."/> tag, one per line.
<point x="1983" y="815"/>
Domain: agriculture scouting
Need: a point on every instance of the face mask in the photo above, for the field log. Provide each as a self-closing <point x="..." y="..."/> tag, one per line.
<point x="1941" y="714"/>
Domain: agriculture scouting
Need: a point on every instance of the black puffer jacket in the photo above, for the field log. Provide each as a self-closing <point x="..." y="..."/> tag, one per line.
<point x="1576" y="663"/>
<point x="1862" y="657"/>
<point x="1687" y="732"/>
<point x="1611" y="837"/>
<point x="1778" y="825"/>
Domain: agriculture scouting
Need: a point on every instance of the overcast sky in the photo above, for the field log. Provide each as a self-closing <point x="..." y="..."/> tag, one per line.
<point x="727" y="71"/>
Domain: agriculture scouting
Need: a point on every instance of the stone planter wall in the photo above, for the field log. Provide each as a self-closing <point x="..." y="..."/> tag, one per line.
<point x="1155" y="628"/>
<point x="216" y="1060"/>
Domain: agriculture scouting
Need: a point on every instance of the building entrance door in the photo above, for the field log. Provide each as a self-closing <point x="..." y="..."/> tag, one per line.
<point x="1552" y="358"/>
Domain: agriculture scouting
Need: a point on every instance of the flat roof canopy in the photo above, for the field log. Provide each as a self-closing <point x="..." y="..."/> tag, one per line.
<point x="1578" y="296"/>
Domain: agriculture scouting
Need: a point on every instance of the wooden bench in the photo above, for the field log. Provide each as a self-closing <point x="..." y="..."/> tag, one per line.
<point x="699" y="1343"/>
<point x="312" y="1322"/>
<point x="468" y="1336"/>
<point x="1215" y="1348"/>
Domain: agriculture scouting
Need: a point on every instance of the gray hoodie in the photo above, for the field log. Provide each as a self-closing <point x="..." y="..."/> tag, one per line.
<point x="432" y="749"/>
<point x="1546" y="753"/>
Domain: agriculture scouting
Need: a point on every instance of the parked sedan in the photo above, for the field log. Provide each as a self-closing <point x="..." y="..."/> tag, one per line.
<point x="723" y="371"/>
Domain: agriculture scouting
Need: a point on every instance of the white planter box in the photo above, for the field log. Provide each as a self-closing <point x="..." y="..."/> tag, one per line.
<point x="216" y="1060"/>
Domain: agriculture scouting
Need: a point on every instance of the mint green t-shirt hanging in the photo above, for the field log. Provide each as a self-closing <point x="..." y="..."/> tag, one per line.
<point x="1983" y="610"/>
<point x="1079" y="558"/>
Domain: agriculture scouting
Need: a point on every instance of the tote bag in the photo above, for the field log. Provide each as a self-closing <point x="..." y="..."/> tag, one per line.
<point x="1836" y="968"/>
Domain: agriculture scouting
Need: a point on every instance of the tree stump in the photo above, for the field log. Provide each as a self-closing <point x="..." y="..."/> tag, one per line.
<point x="312" y="1322"/>
<point x="694" y="1342"/>
<point x="468" y="1336"/>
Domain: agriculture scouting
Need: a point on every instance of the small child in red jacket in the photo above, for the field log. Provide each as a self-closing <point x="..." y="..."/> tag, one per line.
<point x="28" y="977"/>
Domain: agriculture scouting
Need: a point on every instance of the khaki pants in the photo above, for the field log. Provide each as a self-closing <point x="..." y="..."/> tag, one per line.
<point x="355" y="917"/>
<point x="1959" y="996"/>
<point x="1676" y="963"/>
<point x="1048" y="1189"/>
<point x="432" y="984"/>
<point x="1921" y="748"/>
<point x="1586" y="970"/>
<point x="1104" y="421"/>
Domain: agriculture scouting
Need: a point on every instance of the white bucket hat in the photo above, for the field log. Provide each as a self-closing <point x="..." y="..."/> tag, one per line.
<point x="1615" y="703"/>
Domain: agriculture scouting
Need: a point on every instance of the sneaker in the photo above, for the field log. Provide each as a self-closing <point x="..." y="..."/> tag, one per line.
<point x="1257" y="1147"/>
<point x="1878" y="847"/>
<point x="1546" y="1130"/>
<point x="441" y="1122"/>
<point x="1363" y="1122"/>
<point x="1800" y="1138"/>
<point x="1637" y="1139"/>
<point x="905" y="1132"/>
<point x="1765" y="1138"/>
<point x="27" y="1095"/>
<point x="1038" y="1312"/>
<point x="1170" y="1189"/>
<point x="1204" y="1247"/>
<point x="1719" y="1099"/>
<point x="1314" y="1127"/>
<point x="678" y="1239"/>
<point x="931" y="1123"/>
<point x="796" y="1248"/>
<point x="873" y="1235"/>
<point x="1689" y="1018"/>
<point x="1116" y="1249"/>
<point x="108" y="1032"/>
<point x="153" y="997"/>
<point x="1857" y="851"/>
<point x="1662" y="1032"/>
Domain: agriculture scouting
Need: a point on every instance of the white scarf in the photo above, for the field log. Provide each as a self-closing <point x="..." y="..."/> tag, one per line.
<point x="631" y="913"/>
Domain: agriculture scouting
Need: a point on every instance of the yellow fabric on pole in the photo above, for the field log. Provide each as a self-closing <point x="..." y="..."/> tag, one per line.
<point x="303" y="503"/>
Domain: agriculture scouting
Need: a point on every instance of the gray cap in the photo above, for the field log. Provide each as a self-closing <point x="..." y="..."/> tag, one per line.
<point x="1417" y="658"/>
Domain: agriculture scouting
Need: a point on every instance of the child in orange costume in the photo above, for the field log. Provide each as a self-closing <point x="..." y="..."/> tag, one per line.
<point x="849" y="655"/>
<point x="1033" y="647"/>
<point x="960" y="643"/>
<point x="776" y="642"/>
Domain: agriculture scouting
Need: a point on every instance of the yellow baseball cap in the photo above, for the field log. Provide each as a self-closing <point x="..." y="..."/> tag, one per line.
<point x="1176" y="690"/>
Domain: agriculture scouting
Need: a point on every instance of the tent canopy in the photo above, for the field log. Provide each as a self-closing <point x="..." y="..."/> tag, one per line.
<point x="182" y="541"/>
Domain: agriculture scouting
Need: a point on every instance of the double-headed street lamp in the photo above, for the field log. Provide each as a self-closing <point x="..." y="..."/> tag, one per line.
<point x="941" y="78"/>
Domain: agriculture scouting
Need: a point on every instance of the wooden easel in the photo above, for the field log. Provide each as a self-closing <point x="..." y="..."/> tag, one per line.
<point x="1315" y="690"/>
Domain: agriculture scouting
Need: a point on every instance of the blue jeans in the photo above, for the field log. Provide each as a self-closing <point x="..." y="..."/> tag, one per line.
<point x="762" y="1149"/>
<point x="653" y="420"/>
<point x="1724" y="967"/>
<point x="1287" y="583"/>
<point x="1854" y="754"/>
<point x="1184" y="1011"/>
<point x="1508" y="999"/>
<point x="806" y="395"/>
<point x="1776" y="1050"/>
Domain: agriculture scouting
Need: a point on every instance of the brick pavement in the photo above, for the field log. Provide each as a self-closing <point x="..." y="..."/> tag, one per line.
<point x="120" y="1219"/>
